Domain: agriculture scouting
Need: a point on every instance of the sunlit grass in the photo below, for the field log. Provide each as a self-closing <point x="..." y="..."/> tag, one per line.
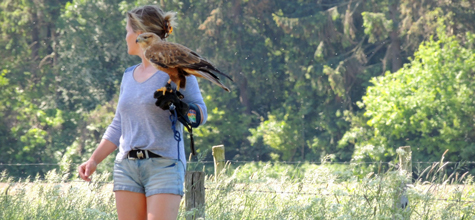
<point x="319" y="193"/>
<point x="56" y="198"/>
<point x="258" y="191"/>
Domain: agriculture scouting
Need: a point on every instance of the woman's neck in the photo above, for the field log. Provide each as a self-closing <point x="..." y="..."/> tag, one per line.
<point x="145" y="63"/>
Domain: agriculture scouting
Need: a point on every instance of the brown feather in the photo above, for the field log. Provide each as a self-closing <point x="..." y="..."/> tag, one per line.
<point x="178" y="61"/>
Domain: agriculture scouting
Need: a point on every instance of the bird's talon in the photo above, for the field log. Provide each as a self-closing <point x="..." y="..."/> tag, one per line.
<point x="163" y="89"/>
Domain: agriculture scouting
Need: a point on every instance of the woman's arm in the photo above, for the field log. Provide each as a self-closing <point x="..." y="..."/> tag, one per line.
<point x="110" y="141"/>
<point x="86" y="169"/>
<point x="195" y="115"/>
<point x="194" y="99"/>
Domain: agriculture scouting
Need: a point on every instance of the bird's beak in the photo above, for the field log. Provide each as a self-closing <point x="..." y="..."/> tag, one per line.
<point x="139" y="39"/>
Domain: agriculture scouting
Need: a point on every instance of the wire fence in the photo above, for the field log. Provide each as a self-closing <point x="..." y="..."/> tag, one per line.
<point x="258" y="191"/>
<point x="228" y="190"/>
<point x="208" y="166"/>
<point x="323" y="194"/>
<point x="292" y="162"/>
<point x="22" y="170"/>
<point x="252" y="161"/>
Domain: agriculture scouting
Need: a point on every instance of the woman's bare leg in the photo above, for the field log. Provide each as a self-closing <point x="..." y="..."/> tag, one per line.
<point x="163" y="206"/>
<point x="131" y="205"/>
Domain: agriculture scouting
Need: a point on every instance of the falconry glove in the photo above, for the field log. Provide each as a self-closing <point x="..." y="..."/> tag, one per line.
<point x="188" y="114"/>
<point x="171" y="96"/>
<point x="166" y="98"/>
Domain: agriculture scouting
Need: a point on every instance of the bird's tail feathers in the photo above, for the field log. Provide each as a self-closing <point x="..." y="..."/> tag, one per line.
<point x="210" y="67"/>
<point x="212" y="78"/>
<point x="206" y="66"/>
<point x="224" y="74"/>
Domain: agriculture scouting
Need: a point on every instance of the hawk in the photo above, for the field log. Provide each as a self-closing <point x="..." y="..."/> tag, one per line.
<point x="177" y="61"/>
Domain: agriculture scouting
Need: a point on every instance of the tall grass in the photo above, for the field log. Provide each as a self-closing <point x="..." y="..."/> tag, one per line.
<point x="319" y="193"/>
<point x="54" y="197"/>
<point x="261" y="191"/>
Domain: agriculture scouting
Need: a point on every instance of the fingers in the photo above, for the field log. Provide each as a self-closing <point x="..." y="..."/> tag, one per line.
<point x="81" y="171"/>
<point x="86" y="169"/>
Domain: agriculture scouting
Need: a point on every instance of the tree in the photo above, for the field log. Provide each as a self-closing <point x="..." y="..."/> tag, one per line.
<point x="32" y="129"/>
<point x="427" y="104"/>
<point x="299" y="68"/>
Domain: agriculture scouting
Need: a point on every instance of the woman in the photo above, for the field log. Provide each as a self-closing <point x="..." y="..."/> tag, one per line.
<point x="150" y="166"/>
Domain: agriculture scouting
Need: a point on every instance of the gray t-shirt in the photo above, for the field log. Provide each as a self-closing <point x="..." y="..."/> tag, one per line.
<point x="139" y="124"/>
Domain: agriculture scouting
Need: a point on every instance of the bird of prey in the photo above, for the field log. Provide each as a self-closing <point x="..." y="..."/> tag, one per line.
<point x="177" y="61"/>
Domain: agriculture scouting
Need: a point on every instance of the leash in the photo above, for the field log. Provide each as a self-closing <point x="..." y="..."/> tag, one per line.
<point x="176" y="134"/>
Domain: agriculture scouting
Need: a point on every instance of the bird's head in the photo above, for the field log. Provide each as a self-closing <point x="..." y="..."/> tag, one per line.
<point x="147" y="39"/>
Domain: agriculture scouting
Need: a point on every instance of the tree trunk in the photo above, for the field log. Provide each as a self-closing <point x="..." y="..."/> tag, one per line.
<point x="240" y="78"/>
<point x="34" y="36"/>
<point x="243" y="95"/>
<point x="293" y="154"/>
<point x="395" y="47"/>
<point x="303" y="138"/>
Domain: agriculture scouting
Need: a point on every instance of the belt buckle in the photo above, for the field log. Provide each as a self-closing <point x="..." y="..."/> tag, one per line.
<point x="130" y="158"/>
<point x="140" y="155"/>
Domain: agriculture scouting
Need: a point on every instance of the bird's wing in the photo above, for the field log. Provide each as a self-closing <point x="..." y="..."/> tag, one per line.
<point x="170" y="55"/>
<point x="205" y="66"/>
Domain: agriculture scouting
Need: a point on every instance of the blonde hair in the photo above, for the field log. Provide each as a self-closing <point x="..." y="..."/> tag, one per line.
<point x="151" y="18"/>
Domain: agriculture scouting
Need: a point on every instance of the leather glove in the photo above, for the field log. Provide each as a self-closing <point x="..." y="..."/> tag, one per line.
<point x="174" y="97"/>
<point x="171" y="97"/>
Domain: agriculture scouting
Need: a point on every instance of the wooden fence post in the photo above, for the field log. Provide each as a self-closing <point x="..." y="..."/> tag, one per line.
<point x="219" y="160"/>
<point x="195" y="194"/>
<point x="405" y="167"/>
<point x="405" y="161"/>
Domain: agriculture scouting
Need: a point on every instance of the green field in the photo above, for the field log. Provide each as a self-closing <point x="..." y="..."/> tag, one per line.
<point x="259" y="191"/>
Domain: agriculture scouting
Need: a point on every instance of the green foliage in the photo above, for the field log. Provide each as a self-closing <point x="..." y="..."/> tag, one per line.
<point x="376" y="26"/>
<point x="427" y="104"/>
<point x="274" y="133"/>
<point x="32" y="128"/>
<point x="92" y="53"/>
<point x="299" y="70"/>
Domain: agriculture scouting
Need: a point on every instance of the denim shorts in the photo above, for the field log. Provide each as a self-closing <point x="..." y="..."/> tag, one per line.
<point x="149" y="176"/>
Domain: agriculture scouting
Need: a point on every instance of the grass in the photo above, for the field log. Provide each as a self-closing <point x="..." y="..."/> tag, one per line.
<point x="260" y="191"/>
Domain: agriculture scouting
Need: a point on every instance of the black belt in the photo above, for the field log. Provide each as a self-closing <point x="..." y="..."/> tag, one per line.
<point x="141" y="154"/>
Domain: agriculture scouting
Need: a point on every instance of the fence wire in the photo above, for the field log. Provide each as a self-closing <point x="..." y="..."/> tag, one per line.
<point x="322" y="194"/>
<point x="251" y="191"/>
<point x="251" y="161"/>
